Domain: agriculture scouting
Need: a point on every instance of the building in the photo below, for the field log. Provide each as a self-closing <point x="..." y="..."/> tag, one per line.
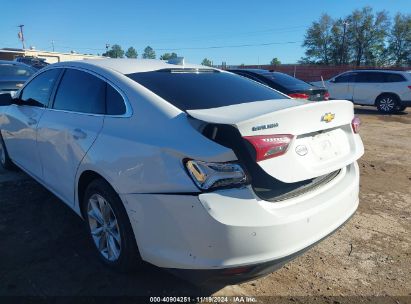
<point x="50" y="57"/>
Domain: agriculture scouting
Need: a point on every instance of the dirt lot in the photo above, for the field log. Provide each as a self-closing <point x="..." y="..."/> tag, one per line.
<point x="44" y="250"/>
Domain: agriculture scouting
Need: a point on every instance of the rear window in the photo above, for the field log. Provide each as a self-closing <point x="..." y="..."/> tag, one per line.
<point x="13" y="70"/>
<point x="391" y="77"/>
<point x="190" y="89"/>
<point x="287" y="81"/>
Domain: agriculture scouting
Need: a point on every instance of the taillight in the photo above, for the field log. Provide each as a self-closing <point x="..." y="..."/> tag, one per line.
<point x="299" y="95"/>
<point x="269" y="146"/>
<point x="326" y="96"/>
<point x="409" y="87"/>
<point x="356" y="123"/>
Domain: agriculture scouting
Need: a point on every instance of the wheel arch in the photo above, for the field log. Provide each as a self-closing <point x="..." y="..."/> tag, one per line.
<point x="84" y="179"/>
<point x="386" y="93"/>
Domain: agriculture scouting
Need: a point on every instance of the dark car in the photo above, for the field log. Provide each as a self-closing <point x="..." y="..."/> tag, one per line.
<point x="13" y="75"/>
<point x="284" y="83"/>
<point x="37" y="63"/>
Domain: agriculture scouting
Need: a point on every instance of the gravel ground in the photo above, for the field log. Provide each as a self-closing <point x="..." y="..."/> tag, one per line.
<point x="44" y="250"/>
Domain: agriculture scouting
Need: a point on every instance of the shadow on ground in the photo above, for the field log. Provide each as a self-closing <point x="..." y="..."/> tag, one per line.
<point x="373" y="111"/>
<point x="45" y="252"/>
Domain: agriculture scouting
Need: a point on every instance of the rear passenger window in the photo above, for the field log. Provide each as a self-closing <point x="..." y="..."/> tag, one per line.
<point x="391" y="77"/>
<point x="370" y="77"/>
<point x="115" y="102"/>
<point x="80" y="92"/>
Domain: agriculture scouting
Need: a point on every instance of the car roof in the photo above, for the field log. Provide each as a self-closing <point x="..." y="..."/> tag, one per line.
<point x="11" y="62"/>
<point x="130" y="66"/>
<point x="375" y="70"/>
<point x="16" y="63"/>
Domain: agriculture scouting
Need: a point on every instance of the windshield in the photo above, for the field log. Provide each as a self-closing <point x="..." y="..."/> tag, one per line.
<point x="287" y="81"/>
<point x="191" y="89"/>
<point x="9" y="69"/>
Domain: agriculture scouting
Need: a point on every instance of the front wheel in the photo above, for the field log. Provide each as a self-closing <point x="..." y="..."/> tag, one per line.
<point x="109" y="227"/>
<point x="387" y="103"/>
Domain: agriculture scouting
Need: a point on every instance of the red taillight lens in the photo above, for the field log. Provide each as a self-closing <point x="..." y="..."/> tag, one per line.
<point x="299" y="95"/>
<point x="356" y="123"/>
<point x="409" y="87"/>
<point x="326" y="96"/>
<point x="268" y="146"/>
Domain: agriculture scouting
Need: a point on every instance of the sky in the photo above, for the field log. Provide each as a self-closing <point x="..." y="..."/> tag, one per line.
<point x="231" y="31"/>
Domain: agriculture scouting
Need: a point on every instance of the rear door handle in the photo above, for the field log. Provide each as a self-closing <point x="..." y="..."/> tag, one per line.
<point x="31" y="121"/>
<point x="79" y="134"/>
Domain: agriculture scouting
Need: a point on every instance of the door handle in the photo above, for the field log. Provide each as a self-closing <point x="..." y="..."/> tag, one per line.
<point x="79" y="134"/>
<point x="31" y="121"/>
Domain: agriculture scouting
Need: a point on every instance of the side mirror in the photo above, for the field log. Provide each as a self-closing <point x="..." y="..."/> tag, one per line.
<point x="6" y="99"/>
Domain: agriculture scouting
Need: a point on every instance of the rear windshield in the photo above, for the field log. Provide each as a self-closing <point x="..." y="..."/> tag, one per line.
<point x="9" y="69"/>
<point x="190" y="89"/>
<point x="288" y="82"/>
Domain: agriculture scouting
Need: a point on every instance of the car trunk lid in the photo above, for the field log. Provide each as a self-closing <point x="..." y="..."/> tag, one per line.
<point x="321" y="136"/>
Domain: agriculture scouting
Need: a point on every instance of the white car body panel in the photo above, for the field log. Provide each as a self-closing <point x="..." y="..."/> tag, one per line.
<point x="141" y="156"/>
<point x="212" y="236"/>
<point x="62" y="146"/>
<point x="326" y="152"/>
<point x="21" y="135"/>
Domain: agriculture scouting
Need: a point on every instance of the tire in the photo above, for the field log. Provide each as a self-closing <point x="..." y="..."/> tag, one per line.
<point x="5" y="160"/>
<point x="118" y="248"/>
<point x="387" y="103"/>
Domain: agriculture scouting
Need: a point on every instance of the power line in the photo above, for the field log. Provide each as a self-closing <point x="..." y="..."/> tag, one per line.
<point x="225" y="46"/>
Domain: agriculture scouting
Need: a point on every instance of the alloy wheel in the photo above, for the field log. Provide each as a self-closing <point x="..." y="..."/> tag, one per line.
<point x="104" y="227"/>
<point x="387" y="104"/>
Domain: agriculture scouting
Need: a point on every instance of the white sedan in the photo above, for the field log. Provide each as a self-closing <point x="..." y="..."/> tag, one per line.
<point x="208" y="174"/>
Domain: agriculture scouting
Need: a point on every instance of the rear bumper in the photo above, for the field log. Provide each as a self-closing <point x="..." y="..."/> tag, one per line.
<point x="211" y="234"/>
<point x="235" y="275"/>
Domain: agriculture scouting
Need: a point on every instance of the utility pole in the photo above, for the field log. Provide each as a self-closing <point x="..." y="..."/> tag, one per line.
<point x="345" y="23"/>
<point x="107" y="47"/>
<point x="21" y="35"/>
<point x="52" y="44"/>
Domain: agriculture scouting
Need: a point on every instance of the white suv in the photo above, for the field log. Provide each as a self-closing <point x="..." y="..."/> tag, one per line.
<point x="389" y="91"/>
<point x="190" y="168"/>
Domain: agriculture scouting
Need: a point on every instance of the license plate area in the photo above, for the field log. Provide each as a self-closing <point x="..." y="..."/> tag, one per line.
<point x="329" y="145"/>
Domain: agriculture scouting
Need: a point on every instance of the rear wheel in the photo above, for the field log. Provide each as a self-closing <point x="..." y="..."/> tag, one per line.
<point x="109" y="227"/>
<point x="4" y="156"/>
<point x="387" y="103"/>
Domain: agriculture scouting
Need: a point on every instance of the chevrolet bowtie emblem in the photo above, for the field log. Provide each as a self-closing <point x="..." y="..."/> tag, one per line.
<point x="327" y="117"/>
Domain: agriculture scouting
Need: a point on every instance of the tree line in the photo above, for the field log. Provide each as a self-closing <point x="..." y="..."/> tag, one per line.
<point x="361" y="38"/>
<point x="117" y="52"/>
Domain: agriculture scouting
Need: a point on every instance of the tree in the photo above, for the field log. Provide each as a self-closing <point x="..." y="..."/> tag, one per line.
<point x="115" y="52"/>
<point x="149" y="53"/>
<point x="317" y="40"/>
<point x="275" y="61"/>
<point x="206" y="62"/>
<point x="131" y="52"/>
<point x="168" y="56"/>
<point x="399" y="40"/>
<point x="366" y="34"/>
